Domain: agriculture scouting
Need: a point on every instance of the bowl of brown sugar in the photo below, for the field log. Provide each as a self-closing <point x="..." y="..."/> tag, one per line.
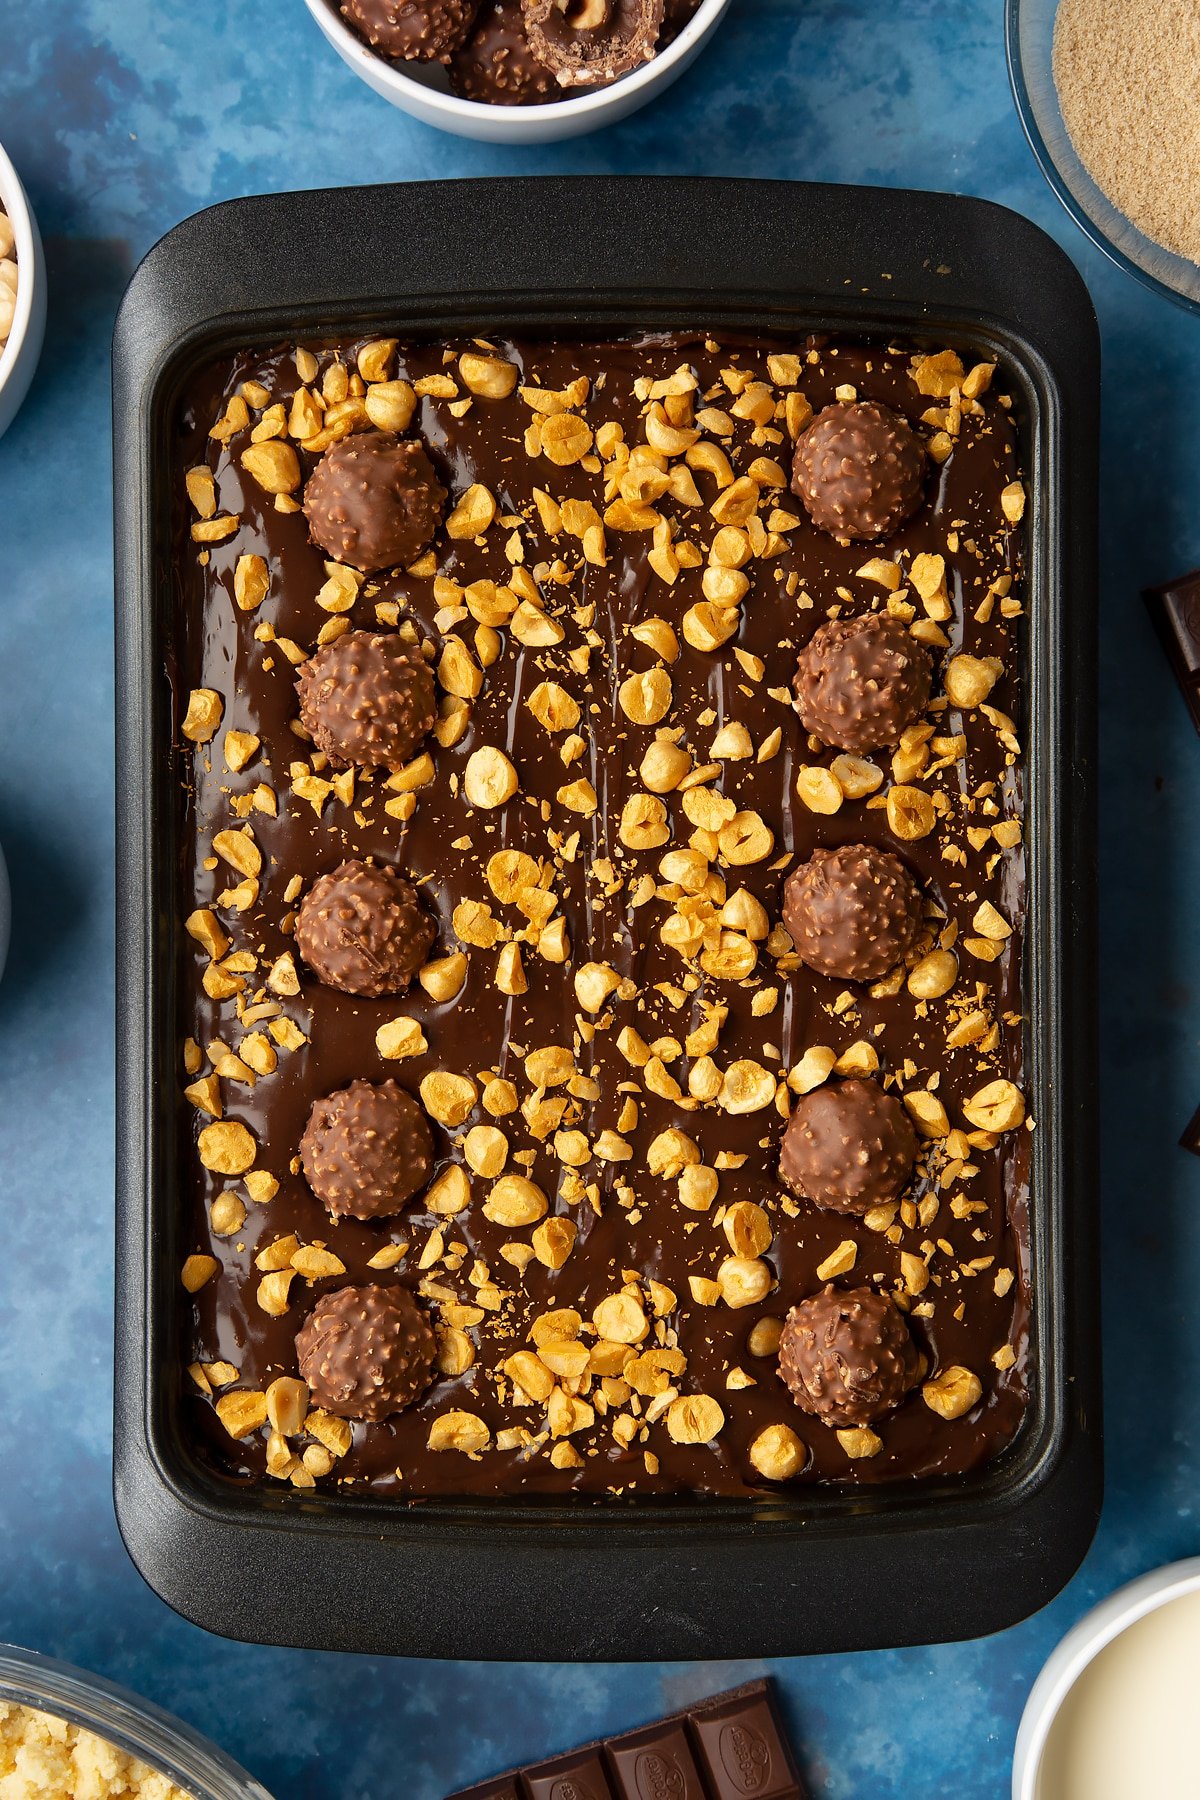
<point x="1108" y="97"/>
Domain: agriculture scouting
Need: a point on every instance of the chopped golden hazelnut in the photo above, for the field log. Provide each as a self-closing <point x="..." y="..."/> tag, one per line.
<point x="487" y="377"/>
<point x="747" y="1229"/>
<point x="815" y="1067"/>
<point x="746" y="1087"/>
<point x="489" y="779"/>
<point x="242" y="1412"/>
<point x="203" y="716"/>
<point x="646" y="698"/>
<point x="515" y="1201"/>
<point x="933" y="976"/>
<point x="744" y="1280"/>
<point x="910" y="812"/>
<point x="455" y="1351"/>
<point x="970" y="679"/>
<point x="952" y="1392"/>
<point x="287" y="1405"/>
<point x="694" y="1419"/>
<point x="860" y="1443"/>
<point x="998" y="1106"/>
<point x="778" y="1454"/>
<point x="622" y="1318"/>
<point x="449" y="1194"/>
<point x="462" y="1431"/>
<point x="818" y="789"/>
<point x="553" y="1241"/>
<point x="1012" y="502"/>
<point x="764" y="1337"/>
<point x="227" y="1148"/>
<point x="274" y="465"/>
<point x="400" y="1038"/>
<point x="197" y="1271"/>
<point x="447" y="1097"/>
<point x="839" y="1261"/>
<point x="443" y="979"/>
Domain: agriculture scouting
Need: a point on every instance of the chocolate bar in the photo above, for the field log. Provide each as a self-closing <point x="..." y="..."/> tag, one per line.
<point x="1175" y="609"/>
<point x="732" y="1747"/>
<point x="1190" y="1140"/>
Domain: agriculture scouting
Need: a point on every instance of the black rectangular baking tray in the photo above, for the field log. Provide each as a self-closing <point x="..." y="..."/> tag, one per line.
<point x="829" y="1569"/>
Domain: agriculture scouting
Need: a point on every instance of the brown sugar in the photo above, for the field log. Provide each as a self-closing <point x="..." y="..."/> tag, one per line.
<point x="1126" y="73"/>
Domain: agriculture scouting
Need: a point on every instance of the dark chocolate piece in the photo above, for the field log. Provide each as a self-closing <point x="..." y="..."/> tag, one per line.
<point x="859" y="470"/>
<point x="504" y="1787"/>
<point x="577" y="1776"/>
<point x="743" y="1750"/>
<point x="374" y="501"/>
<point x="1175" y="609"/>
<point x="584" y="54"/>
<point x="732" y="1747"/>
<point x="366" y="1352"/>
<point x="1191" y="1135"/>
<point x="412" y="30"/>
<point x="655" y="1763"/>
<point x="367" y="1150"/>
<point x="363" y="930"/>
<point x="854" y="912"/>
<point x="497" y="66"/>
<point x="848" y="1147"/>
<point x="848" y="1358"/>
<point x="860" y="682"/>
<point x="676" y="14"/>
<point x="367" y="698"/>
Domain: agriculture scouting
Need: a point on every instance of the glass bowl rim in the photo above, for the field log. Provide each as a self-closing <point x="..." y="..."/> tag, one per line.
<point x="1091" y="228"/>
<point x="136" y="1726"/>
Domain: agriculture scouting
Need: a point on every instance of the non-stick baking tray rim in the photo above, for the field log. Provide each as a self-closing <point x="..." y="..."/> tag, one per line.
<point x="921" y="264"/>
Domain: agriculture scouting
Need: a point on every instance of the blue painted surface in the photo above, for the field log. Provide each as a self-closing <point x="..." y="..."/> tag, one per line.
<point x="125" y="115"/>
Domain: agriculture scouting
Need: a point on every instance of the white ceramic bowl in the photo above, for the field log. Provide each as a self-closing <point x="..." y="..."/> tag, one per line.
<point x="1078" y="1649"/>
<point x="18" y="359"/>
<point x="423" y="89"/>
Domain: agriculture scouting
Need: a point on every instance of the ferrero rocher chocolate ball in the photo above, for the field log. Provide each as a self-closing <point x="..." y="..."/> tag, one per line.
<point x="412" y="30"/>
<point x="848" y="1147"/>
<point x="366" y="1352"/>
<point x="374" y="501"/>
<point x="848" y="1358"/>
<point x="366" y="1150"/>
<point x="676" y="14"/>
<point x="363" y="930"/>
<point x="497" y="66"/>
<point x="861" y="682"/>
<point x="367" y="697"/>
<point x="859" y="470"/>
<point x="590" y="43"/>
<point x="853" y="912"/>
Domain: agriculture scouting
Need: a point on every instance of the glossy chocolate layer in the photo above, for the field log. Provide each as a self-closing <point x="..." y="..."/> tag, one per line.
<point x="975" y="1306"/>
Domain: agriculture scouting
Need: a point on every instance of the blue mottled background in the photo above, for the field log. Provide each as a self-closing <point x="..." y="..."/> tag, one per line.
<point x="123" y="116"/>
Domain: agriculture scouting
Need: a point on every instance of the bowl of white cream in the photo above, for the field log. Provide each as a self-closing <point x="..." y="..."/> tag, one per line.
<point x="1115" y="1713"/>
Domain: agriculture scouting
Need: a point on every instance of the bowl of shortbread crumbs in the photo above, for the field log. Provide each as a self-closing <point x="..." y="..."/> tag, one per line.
<point x="1106" y="94"/>
<point x="68" y="1735"/>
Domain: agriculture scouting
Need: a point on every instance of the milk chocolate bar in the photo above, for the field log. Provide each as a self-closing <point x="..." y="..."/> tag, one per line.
<point x="732" y="1747"/>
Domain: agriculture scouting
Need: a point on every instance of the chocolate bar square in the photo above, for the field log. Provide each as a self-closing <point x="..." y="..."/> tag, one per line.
<point x="579" y="1775"/>
<point x="742" y="1751"/>
<point x="655" y="1764"/>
